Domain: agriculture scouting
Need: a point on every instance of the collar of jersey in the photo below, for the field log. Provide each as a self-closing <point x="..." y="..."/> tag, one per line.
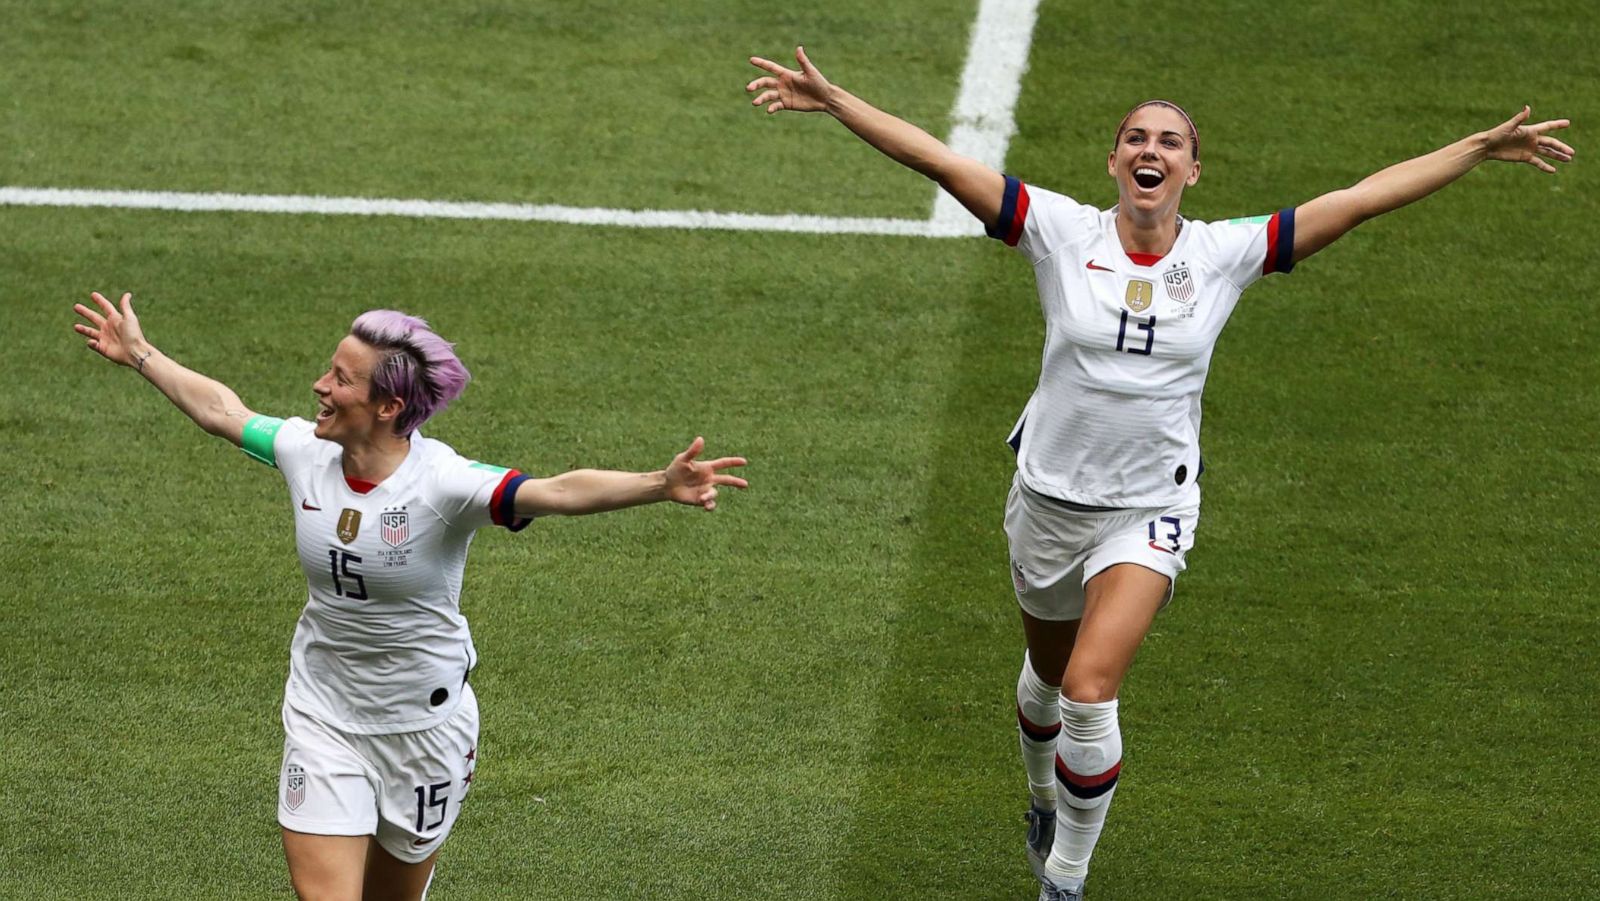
<point x="1110" y="230"/>
<point x="404" y="467"/>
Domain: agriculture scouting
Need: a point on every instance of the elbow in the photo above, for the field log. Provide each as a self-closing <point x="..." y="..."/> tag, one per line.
<point x="942" y="168"/>
<point x="1363" y="203"/>
<point x="222" y="420"/>
<point x="543" y="497"/>
<point x="217" y="427"/>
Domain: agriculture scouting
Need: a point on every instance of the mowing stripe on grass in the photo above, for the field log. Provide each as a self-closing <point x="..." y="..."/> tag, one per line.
<point x="997" y="58"/>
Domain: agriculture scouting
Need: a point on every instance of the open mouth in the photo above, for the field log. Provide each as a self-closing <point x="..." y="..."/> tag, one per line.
<point x="324" y="413"/>
<point x="1148" y="178"/>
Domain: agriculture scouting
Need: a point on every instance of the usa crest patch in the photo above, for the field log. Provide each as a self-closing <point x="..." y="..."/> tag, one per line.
<point x="294" y="786"/>
<point x="1180" y="285"/>
<point x="394" y="527"/>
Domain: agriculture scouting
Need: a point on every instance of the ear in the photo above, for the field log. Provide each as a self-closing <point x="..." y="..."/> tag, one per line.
<point x="1194" y="174"/>
<point x="1111" y="163"/>
<point x="389" y="410"/>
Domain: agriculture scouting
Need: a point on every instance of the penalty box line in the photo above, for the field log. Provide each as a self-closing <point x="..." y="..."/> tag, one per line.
<point x="983" y="123"/>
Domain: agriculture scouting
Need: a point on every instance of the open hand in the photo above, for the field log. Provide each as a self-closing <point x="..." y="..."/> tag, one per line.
<point x="112" y="333"/>
<point x="804" y="91"/>
<point x="696" y="484"/>
<point x="1515" y="142"/>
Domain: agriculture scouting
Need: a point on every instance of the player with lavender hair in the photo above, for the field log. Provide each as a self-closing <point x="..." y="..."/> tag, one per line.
<point x="418" y="366"/>
<point x="380" y="723"/>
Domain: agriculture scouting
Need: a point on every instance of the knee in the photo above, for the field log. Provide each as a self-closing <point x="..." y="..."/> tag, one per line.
<point x="322" y="887"/>
<point x="1089" y="688"/>
<point x="322" y="893"/>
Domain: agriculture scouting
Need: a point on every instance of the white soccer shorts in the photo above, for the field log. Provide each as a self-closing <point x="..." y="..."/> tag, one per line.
<point x="405" y="788"/>
<point x="1055" y="550"/>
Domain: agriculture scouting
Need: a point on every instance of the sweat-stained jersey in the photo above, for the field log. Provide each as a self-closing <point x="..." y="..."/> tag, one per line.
<point x="1115" y="418"/>
<point x="381" y="646"/>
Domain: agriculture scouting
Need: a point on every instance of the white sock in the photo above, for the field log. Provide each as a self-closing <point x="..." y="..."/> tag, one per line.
<point x="1038" y="722"/>
<point x="1088" y="761"/>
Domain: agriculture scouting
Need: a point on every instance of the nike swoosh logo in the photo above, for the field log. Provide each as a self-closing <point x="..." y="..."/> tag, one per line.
<point x="1100" y="268"/>
<point x="421" y="841"/>
<point x="306" y="505"/>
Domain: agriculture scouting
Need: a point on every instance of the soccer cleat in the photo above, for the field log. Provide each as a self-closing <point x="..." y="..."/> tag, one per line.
<point x="1057" y="888"/>
<point x="1041" y="835"/>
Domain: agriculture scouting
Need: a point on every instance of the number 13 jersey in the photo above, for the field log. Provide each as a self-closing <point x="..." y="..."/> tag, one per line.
<point x="381" y="646"/>
<point x="1115" y="418"/>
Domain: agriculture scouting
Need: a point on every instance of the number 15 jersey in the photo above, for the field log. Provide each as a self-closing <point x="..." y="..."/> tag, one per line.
<point x="381" y="646"/>
<point x="1115" y="418"/>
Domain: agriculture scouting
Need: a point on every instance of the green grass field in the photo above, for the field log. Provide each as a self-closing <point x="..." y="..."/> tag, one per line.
<point x="1378" y="678"/>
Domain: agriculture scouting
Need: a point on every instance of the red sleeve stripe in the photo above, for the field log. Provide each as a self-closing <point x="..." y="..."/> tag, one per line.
<point x="503" y="503"/>
<point x="1280" y="243"/>
<point x="1015" y="234"/>
<point x="1013" y="212"/>
<point x="1272" y="245"/>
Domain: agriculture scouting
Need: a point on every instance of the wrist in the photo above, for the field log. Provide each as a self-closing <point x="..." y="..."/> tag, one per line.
<point x="659" y="490"/>
<point x="140" y="356"/>
<point x="1477" y="146"/>
<point x="834" y="103"/>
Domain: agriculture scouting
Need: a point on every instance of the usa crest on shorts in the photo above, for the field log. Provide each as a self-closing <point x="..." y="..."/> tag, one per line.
<point x="294" y="786"/>
<point x="394" y="527"/>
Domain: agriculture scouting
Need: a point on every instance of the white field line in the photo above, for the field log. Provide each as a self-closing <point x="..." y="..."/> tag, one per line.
<point x="997" y="57"/>
<point x="984" y="115"/>
<point x="438" y="209"/>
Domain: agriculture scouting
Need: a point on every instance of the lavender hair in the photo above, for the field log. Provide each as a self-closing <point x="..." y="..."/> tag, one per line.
<point x="414" y="364"/>
<point x="1194" y="136"/>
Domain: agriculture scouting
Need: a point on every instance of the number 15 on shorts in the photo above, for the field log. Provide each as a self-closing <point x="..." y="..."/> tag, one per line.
<point x="428" y="798"/>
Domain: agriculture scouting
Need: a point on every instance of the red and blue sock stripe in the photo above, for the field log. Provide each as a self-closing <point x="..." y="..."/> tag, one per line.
<point x="1087" y="787"/>
<point x="1034" y="731"/>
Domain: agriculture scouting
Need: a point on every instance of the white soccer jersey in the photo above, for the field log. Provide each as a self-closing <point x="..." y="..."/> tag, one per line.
<point x="1115" y="418"/>
<point x="382" y="646"/>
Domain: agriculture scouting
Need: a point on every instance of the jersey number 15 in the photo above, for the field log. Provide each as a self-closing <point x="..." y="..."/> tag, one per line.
<point x="340" y="561"/>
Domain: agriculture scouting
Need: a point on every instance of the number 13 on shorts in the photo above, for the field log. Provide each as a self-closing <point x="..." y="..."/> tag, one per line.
<point x="1166" y="534"/>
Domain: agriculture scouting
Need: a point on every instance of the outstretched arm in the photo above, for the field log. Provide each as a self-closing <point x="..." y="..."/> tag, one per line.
<point x="1327" y="218"/>
<point x="979" y="188"/>
<point x="115" y="334"/>
<point x="583" y="491"/>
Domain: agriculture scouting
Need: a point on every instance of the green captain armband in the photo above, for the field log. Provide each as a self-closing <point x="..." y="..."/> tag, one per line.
<point x="257" y="438"/>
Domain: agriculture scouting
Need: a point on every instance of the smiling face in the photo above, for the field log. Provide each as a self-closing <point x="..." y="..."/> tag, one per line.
<point x="346" y="412"/>
<point x="1153" y="161"/>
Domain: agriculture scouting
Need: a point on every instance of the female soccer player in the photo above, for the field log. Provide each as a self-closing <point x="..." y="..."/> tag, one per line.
<point x="381" y="725"/>
<point x="1105" y="500"/>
